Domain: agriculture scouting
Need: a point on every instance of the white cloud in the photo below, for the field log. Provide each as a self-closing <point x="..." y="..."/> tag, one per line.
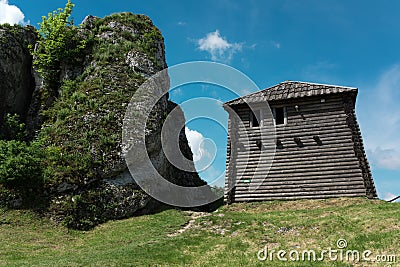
<point x="177" y="92"/>
<point x="10" y="13"/>
<point x="389" y="196"/>
<point x="214" y="176"/>
<point x="253" y="46"/>
<point x="218" y="47"/>
<point x="195" y="140"/>
<point x="388" y="85"/>
<point x="219" y="103"/>
<point x="276" y="44"/>
<point x="246" y="91"/>
<point x="380" y="120"/>
<point x="204" y="149"/>
<point x="385" y="158"/>
<point x="203" y="157"/>
<point x="320" y="71"/>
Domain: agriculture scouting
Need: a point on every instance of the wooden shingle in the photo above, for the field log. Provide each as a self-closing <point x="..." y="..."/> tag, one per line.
<point x="291" y="89"/>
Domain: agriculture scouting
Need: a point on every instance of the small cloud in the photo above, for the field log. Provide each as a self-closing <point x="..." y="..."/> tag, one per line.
<point x="321" y="71"/>
<point x="219" y="102"/>
<point x="388" y="85"/>
<point x="176" y="91"/>
<point x="383" y="144"/>
<point x="203" y="149"/>
<point x="204" y="87"/>
<point x="203" y="157"/>
<point x="181" y="23"/>
<point x="10" y="14"/>
<point x="214" y="176"/>
<point x="385" y="158"/>
<point x="245" y="63"/>
<point x="195" y="140"/>
<point x="276" y="44"/>
<point x="246" y="91"/>
<point x="218" y="47"/>
<point x="388" y="196"/>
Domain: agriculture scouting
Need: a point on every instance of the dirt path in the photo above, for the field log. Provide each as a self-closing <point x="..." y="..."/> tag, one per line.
<point x="193" y="216"/>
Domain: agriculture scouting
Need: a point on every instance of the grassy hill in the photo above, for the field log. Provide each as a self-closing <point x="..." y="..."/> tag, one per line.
<point x="230" y="236"/>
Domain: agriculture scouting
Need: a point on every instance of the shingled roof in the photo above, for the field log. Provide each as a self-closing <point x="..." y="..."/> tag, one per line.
<point x="291" y="89"/>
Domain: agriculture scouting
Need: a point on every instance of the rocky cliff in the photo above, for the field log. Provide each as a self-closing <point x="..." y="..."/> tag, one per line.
<point x="16" y="80"/>
<point x="79" y="123"/>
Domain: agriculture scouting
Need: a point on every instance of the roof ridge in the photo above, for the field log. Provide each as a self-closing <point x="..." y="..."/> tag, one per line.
<point x="313" y="83"/>
<point x="305" y="89"/>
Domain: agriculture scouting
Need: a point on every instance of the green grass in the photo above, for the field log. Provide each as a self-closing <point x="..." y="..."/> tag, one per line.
<point x="230" y="236"/>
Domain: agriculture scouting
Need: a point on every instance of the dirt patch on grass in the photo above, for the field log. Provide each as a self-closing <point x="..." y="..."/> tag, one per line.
<point x="191" y="223"/>
<point x="298" y="205"/>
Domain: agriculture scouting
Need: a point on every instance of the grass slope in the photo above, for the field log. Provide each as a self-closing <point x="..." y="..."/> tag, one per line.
<point x="230" y="236"/>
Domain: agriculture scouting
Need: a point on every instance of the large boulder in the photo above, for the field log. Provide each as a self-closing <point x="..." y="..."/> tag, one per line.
<point x="16" y="77"/>
<point x="87" y="179"/>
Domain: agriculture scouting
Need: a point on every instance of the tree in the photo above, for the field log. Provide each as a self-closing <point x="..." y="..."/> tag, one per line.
<point x="58" y="41"/>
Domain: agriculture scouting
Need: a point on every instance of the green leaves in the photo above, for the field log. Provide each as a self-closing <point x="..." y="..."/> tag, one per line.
<point x="13" y="129"/>
<point x="20" y="164"/>
<point x="58" y="40"/>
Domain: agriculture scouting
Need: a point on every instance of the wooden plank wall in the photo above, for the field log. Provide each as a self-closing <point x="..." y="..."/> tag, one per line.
<point x="322" y="168"/>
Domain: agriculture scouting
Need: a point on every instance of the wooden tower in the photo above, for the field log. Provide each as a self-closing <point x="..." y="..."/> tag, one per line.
<point x="318" y="148"/>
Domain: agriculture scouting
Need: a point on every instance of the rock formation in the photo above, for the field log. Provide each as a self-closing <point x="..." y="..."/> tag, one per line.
<point x="16" y="80"/>
<point x="87" y="181"/>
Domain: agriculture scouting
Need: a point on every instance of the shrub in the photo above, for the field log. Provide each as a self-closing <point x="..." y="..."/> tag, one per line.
<point x="21" y="165"/>
<point x="13" y="129"/>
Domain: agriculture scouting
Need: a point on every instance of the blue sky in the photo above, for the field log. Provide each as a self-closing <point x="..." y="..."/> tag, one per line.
<point x="350" y="43"/>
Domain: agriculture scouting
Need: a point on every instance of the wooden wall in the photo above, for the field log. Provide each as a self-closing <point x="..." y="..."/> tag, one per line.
<point x="329" y="160"/>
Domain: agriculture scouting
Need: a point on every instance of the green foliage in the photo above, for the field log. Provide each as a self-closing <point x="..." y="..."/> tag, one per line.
<point x="58" y="40"/>
<point x="20" y="164"/>
<point x="80" y="138"/>
<point x="80" y="141"/>
<point x="145" y="41"/>
<point x="15" y="30"/>
<point x="13" y="128"/>
<point x="83" y="125"/>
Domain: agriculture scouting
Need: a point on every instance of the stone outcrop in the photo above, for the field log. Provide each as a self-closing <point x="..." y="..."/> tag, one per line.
<point x="16" y="78"/>
<point x="95" y="185"/>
